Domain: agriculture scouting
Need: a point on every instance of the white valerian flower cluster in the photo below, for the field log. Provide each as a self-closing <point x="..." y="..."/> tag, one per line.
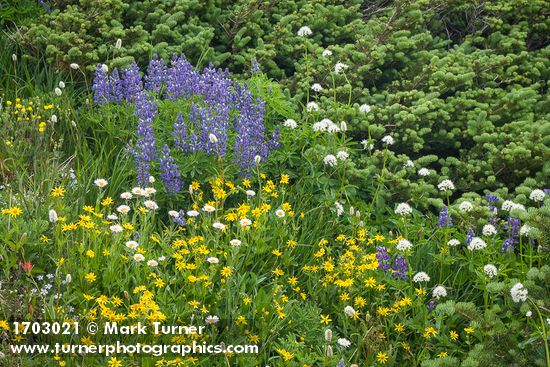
<point x="466" y="206"/>
<point x="446" y="185"/>
<point x="342" y="155"/>
<point x="403" y="209"/>
<point x="304" y="31"/>
<point x="524" y="230"/>
<point x="312" y="106"/>
<point x="489" y="230"/>
<point x="326" y="125"/>
<point x="316" y="87"/>
<point x="453" y="242"/>
<point x="330" y="160"/>
<point x="509" y="205"/>
<point x="439" y="292"/>
<point x="340" y="67"/>
<point x="421" y="277"/>
<point x="388" y="140"/>
<point x="519" y="293"/>
<point x="537" y="195"/>
<point x="403" y="245"/>
<point x="290" y="123"/>
<point x="490" y="270"/>
<point x="423" y="172"/>
<point x="476" y="244"/>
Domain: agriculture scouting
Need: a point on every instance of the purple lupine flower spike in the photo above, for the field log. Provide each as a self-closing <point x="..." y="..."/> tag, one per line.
<point x="169" y="172"/>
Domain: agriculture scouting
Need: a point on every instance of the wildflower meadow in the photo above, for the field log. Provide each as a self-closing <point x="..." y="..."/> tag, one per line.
<point x="298" y="183"/>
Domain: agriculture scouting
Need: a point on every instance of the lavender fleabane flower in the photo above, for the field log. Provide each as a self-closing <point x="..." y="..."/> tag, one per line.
<point x="383" y="258"/>
<point x="169" y="172"/>
<point x="156" y="75"/>
<point x="445" y="219"/>
<point x="101" y="86"/>
<point x="131" y="81"/>
<point x="400" y="268"/>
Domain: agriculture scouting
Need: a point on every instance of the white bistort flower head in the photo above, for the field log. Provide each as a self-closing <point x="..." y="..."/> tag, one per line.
<point x="476" y="244"/>
<point x="490" y="270"/>
<point x="304" y="31"/>
<point x="421" y="277"/>
<point x="489" y="230"/>
<point x="439" y="292"/>
<point x="466" y="206"/>
<point x="403" y="209"/>
<point x="403" y="245"/>
<point x="519" y="293"/>
<point x="446" y="185"/>
<point x="537" y="195"/>
<point x="52" y="215"/>
<point x="349" y="311"/>
<point x="330" y="160"/>
<point x="213" y="138"/>
<point x="339" y="208"/>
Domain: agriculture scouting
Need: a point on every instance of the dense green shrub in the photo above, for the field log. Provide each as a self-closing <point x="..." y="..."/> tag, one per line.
<point x="462" y="83"/>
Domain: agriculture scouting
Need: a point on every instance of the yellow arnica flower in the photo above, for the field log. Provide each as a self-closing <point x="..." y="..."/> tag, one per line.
<point x="382" y="357"/>
<point x="90" y="277"/>
<point x="13" y="212"/>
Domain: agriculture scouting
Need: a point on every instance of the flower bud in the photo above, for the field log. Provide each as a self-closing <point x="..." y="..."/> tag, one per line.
<point x="329" y="352"/>
<point x="328" y="335"/>
<point x="61" y="84"/>
<point x="68" y="278"/>
<point x="118" y="43"/>
<point x="74" y="66"/>
<point x="104" y="68"/>
<point x="14" y="57"/>
<point x="53" y="118"/>
<point x="257" y="159"/>
<point x="343" y="126"/>
<point x="213" y="138"/>
<point x="58" y="91"/>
